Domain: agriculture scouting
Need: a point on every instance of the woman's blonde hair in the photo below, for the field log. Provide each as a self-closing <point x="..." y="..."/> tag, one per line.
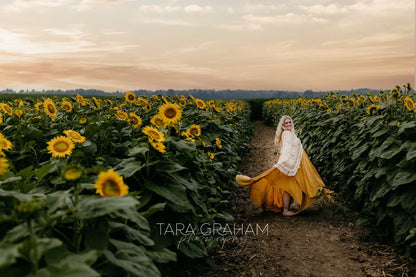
<point x="280" y="128"/>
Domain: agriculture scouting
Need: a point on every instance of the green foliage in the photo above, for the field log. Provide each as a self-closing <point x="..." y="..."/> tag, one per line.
<point x="53" y="222"/>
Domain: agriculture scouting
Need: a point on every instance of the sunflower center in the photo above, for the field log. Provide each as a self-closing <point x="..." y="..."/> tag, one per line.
<point x="110" y="188"/>
<point x="193" y="131"/>
<point x="134" y="120"/>
<point x="154" y="135"/>
<point x="51" y="108"/>
<point x="170" y="113"/>
<point x="75" y="136"/>
<point x="61" y="146"/>
<point x="2" y="144"/>
<point x="131" y="97"/>
<point x="159" y="122"/>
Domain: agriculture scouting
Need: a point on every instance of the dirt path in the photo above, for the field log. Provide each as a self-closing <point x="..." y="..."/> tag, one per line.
<point x="313" y="243"/>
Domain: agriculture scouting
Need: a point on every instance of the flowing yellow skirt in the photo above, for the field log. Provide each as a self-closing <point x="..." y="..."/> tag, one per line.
<point x="266" y="190"/>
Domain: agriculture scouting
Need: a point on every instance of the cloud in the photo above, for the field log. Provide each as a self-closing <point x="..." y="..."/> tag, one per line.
<point x="169" y="9"/>
<point x="198" y="9"/>
<point x="66" y="74"/>
<point x="245" y="26"/>
<point x="373" y="7"/>
<point x="89" y="4"/>
<point x="55" y="41"/>
<point x="19" y="5"/>
<point x="289" y="18"/>
<point x="159" y="9"/>
<point x="166" y="22"/>
<point x="331" y="9"/>
<point x="262" y="7"/>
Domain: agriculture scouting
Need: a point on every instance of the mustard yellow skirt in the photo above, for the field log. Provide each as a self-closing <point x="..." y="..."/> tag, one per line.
<point x="266" y="190"/>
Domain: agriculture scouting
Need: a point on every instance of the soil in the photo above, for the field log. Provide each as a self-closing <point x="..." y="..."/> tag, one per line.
<point x="315" y="242"/>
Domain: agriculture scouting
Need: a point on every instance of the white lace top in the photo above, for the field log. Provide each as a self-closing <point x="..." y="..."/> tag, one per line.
<point x="291" y="151"/>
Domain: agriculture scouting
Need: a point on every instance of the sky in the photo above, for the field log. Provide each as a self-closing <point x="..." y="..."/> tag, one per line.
<point x="122" y="45"/>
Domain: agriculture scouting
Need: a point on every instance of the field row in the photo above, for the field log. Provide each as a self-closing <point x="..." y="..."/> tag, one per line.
<point x="365" y="149"/>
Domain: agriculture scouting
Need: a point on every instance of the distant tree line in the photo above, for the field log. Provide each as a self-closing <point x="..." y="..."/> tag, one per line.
<point x="200" y="93"/>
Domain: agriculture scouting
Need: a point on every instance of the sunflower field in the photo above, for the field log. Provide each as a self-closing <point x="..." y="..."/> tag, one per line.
<point x="364" y="147"/>
<point x="85" y="181"/>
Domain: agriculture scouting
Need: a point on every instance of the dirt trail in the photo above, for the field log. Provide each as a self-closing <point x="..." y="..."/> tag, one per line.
<point x="312" y="243"/>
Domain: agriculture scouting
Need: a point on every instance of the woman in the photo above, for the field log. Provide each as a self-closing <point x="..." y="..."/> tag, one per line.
<point x="292" y="177"/>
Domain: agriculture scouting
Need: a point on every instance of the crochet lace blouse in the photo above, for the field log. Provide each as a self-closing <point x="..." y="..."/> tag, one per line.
<point x="291" y="150"/>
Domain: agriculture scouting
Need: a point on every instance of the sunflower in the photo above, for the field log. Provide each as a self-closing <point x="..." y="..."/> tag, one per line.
<point x="49" y="107"/>
<point x="396" y="92"/>
<point x="72" y="172"/>
<point x="377" y="99"/>
<point x="18" y="113"/>
<point x="130" y="97"/>
<point x="410" y="105"/>
<point x="4" y="165"/>
<point x="147" y="107"/>
<point x="66" y="106"/>
<point x="80" y="100"/>
<point x="97" y="102"/>
<point x="5" y="144"/>
<point x="134" y="120"/>
<point x="110" y="184"/>
<point x="218" y="142"/>
<point x="171" y="113"/>
<point x="157" y="120"/>
<point x="194" y="130"/>
<point x="20" y="101"/>
<point x="1" y="118"/>
<point x="182" y="101"/>
<point x="211" y="103"/>
<point x="339" y="106"/>
<point x="372" y="108"/>
<point x="82" y="120"/>
<point x="60" y="146"/>
<point x="38" y="106"/>
<point x="74" y="136"/>
<point x="165" y="100"/>
<point x="154" y="134"/>
<point x="351" y="103"/>
<point x="210" y="155"/>
<point x="185" y="134"/>
<point x="7" y="109"/>
<point x="200" y="103"/>
<point x="121" y="115"/>
<point x="141" y="102"/>
<point x="159" y="146"/>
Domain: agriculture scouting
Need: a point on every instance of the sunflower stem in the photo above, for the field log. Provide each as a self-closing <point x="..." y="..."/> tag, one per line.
<point x="34" y="241"/>
<point x="77" y="223"/>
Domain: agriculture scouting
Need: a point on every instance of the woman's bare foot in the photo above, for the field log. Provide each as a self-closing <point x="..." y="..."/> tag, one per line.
<point x="288" y="213"/>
